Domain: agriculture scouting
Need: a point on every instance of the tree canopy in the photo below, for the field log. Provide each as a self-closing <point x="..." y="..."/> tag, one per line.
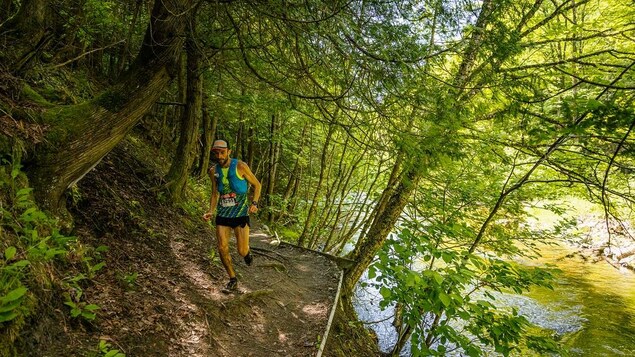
<point x="439" y="122"/>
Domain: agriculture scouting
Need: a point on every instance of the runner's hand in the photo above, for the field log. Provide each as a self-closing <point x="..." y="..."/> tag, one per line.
<point x="208" y="215"/>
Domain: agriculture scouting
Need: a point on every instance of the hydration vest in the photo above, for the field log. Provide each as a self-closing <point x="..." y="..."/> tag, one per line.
<point x="236" y="184"/>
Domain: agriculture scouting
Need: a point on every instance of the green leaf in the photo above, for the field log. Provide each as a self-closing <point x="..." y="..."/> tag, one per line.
<point x="14" y="295"/>
<point x="92" y="307"/>
<point x="9" y="253"/>
<point x="4" y="317"/>
<point x="372" y="272"/>
<point x="437" y="277"/>
<point x="97" y="267"/>
<point x="102" y="248"/>
<point x="385" y="292"/>
<point x="29" y="211"/>
<point x="20" y="263"/>
<point x="11" y="306"/>
<point x="88" y="315"/>
<point x="445" y="299"/>
<point x="23" y="192"/>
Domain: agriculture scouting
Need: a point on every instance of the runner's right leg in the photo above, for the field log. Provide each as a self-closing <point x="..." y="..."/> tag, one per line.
<point x="222" y="239"/>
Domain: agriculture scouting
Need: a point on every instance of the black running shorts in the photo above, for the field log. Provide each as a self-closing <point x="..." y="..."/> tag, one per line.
<point x="233" y="222"/>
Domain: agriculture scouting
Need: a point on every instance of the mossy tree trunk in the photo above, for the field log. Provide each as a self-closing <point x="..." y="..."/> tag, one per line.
<point x="80" y="135"/>
<point x="29" y="20"/>
<point x="186" y="150"/>
<point x="27" y="34"/>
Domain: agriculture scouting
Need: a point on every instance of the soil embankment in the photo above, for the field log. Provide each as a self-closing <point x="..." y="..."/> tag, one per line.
<point x="159" y="292"/>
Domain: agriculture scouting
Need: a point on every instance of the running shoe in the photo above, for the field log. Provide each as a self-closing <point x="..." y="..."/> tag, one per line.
<point x="248" y="259"/>
<point x="231" y="286"/>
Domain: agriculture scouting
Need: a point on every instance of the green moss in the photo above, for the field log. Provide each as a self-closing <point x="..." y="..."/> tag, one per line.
<point x="35" y="97"/>
<point x="288" y="234"/>
<point x="5" y="146"/>
<point x="112" y="100"/>
<point x="68" y="120"/>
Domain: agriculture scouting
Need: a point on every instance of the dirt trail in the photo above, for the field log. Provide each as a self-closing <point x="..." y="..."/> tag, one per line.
<point x="159" y="292"/>
<point x="282" y="307"/>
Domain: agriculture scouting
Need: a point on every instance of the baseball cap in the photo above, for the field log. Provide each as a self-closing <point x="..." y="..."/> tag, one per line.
<point x="220" y="144"/>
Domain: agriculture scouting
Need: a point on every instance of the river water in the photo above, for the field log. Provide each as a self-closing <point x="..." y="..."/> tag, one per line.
<point x="592" y="306"/>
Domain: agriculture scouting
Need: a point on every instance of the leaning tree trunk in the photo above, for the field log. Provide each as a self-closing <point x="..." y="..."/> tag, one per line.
<point x="385" y="219"/>
<point x="384" y="222"/>
<point x="185" y="152"/>
<point x="80" y="135"/>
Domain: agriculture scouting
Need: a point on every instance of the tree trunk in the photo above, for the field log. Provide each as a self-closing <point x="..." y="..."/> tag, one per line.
<point x="28" y="33"/>
<point x="185" y="152"/>
<point x="318" y="188"/>
<point x="6" y="10"/>
<point x="209" y="127"/>
<point x="345" y="192"/>
<point x="250" y="147"/>
<point x="30" y="21"/>
<point x="384" y="222"/>
<point x="273" y="172"/>
<point x="240" y="137"/>
<point x="270" y="178"/>
<point x="123" y="56"/>
<point x="80" y="135"/>
<point x="182" y="85"/>
<point x="329" y="198"/>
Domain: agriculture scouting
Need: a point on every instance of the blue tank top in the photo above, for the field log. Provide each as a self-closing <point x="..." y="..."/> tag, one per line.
<point x="232" y="189"/>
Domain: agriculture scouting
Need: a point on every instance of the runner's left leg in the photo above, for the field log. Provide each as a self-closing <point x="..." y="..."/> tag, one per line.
<point x="242" y="239"/>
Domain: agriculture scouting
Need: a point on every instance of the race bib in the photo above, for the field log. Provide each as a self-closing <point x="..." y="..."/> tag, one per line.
<point x="228" y="200"/>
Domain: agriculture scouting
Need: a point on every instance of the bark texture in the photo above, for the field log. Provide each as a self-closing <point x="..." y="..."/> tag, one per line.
<point x="81" y="135"/>
<point x="186" y="150"/>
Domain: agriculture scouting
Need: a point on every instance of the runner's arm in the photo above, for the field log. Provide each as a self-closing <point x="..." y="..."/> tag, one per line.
<point x="245" y="171"/>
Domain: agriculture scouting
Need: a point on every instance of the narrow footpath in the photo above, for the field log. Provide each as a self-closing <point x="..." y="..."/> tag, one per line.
<point x="282" y="306"/>
<point x="158" y="291"/>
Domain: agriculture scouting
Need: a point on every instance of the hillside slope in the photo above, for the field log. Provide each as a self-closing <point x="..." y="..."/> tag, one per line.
<point x="159" y="291"/>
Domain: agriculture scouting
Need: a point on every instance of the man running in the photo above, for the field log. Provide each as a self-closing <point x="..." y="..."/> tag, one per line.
<point x="230" y="183"/>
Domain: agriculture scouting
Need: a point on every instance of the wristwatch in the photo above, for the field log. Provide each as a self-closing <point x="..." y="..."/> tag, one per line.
<point x="254" y="203"/>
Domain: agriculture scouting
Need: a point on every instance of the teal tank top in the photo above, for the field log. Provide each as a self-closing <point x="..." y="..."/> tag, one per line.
<point x="232" y="189"/>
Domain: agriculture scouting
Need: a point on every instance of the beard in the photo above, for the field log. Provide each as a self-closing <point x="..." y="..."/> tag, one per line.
<point x="220" y="161"/>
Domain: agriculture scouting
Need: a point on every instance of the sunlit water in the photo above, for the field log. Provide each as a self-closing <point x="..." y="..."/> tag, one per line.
<point x="592" y="307"/>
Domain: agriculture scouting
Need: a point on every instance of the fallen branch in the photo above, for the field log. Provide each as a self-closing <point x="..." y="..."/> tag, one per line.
<point x="86" y="53"/>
